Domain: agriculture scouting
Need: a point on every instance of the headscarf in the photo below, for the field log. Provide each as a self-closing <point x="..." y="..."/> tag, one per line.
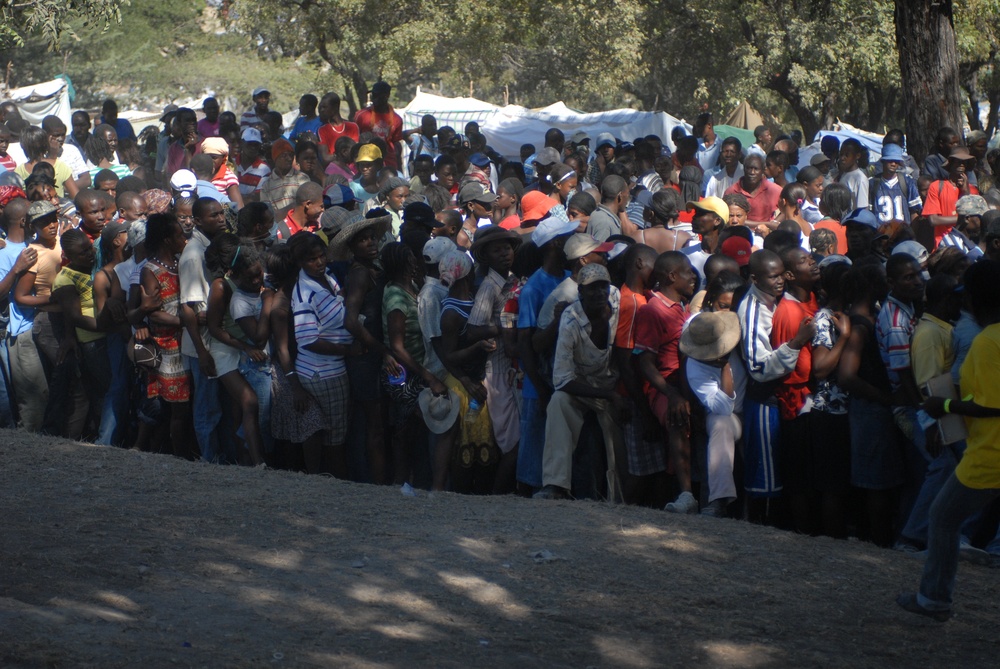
<point x="157" y="201"/>
<point x="8" y="193"/>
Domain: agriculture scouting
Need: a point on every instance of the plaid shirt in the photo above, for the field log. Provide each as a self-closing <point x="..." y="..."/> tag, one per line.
<point x="278" y="191"/>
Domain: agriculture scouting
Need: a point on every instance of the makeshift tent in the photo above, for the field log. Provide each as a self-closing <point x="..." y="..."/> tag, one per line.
<point x="40" y="100"/>
<point x="744" y="116"/>
<point x="507" y="128"/>
<point x="745" y="136"/>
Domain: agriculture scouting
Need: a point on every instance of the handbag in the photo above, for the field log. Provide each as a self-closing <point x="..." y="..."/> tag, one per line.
<point x="143" y="354"/>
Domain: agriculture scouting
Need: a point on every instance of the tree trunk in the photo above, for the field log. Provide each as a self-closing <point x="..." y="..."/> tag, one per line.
<point x="781" y="85"/>
<point x="991" y="120"/>
<point x="928" y="68"/>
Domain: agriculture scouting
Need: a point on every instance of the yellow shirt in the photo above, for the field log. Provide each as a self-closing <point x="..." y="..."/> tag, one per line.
<point x="980" y="466"/>
<point x="931" y="353"/>
<point x="84" y="286"/>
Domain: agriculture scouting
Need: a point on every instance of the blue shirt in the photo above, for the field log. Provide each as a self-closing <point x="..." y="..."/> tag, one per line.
<point x="303" y="124"/>
<point x="123" y="128"/>
<point x="21" y="317"/>
<point x="533" y="295"/>
<point x="894" y="201"/>
<point x="208" y="189"/>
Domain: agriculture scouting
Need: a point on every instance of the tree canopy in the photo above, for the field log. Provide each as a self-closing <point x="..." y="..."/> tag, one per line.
<point x="807" y="63"/>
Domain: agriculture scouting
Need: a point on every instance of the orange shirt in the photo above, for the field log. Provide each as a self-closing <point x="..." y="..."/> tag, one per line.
<point x="941" y="199"/>
<point x="794" y="388"/>
<point x="836" y="228"/>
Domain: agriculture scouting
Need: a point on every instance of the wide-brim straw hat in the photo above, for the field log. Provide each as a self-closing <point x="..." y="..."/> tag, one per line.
<point x="340" y="243"/>
<point x="711" y="335"/>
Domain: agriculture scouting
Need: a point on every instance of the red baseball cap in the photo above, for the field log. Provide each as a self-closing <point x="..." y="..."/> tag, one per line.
<point x="738" y="249"/>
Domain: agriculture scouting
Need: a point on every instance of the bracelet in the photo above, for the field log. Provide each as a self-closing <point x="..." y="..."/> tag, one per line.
<point x="291" y="373"/>
<point x="947" y="406"/>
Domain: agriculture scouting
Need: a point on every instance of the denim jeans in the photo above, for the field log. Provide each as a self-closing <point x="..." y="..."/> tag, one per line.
<point x="7" y="418"/>
<point x="114" y="416"/>
<point x="258" y="377"/>
<point x="31" y="386"/>
<point x="938" y="472"/>
<point x="529" y="456"/>
<point x="95" y="371"/>
<point x="207" y="411"/>
<point x="952" y="506"/>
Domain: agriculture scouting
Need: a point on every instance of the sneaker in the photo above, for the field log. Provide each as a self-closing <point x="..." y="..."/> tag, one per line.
<point x="717" y="508"/>
<point x="685" y="503"/>
<point x="908" y="600"/>
<point x="976" y="556"/>
<point x="551" y="492"/>
<point x="910" y="550"/>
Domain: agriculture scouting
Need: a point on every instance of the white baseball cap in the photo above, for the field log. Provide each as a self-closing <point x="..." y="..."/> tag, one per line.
<point x="183" y="180"/>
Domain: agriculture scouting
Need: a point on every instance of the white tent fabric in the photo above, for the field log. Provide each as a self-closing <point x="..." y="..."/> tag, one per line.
<point x="507" y="128"/>
<point x="40" y="100"/>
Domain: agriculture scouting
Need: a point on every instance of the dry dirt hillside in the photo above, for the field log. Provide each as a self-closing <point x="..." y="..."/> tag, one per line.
<point x="114" y="558"/>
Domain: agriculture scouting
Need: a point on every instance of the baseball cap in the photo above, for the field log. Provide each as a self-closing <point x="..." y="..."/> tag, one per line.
<point x="913" y="249"/>
<point x="892" y="152"/>
<point x="421" y="213"/>
<point x="818" y="160"/>
<point x="260" y="89"/>
<point x="184" y="181"/>
<point x="252" y="135"/>
<point x="475" y="192"/>
<point x="581" y="244"/>
<point x="739" y="249"/>
<point x="336" y="195"/>
<point x="550" y="228"/>
<point x="579" y="137"/>
<point x="645" y="198"/>
<point x="336" y="218"/>
<point x="39" y="210"/>
<point x="593" y="273"/>
<point x="168" y="111"/>
<point x="479" y="160"/>
<point x="711" y="204"/>
<point x="547" y="156"/>
<point x="862" y="217"/>
<point x="437" y="248"/>
<point x="833" y="260"/>
<point x="368" y="153"/>
<point x="605" y="139"/>
<point x="971" y="205"/>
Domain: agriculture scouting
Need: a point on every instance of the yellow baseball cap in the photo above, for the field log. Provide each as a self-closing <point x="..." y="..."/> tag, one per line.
<point x="368" y="153"/>
<point x="712" y="204"/>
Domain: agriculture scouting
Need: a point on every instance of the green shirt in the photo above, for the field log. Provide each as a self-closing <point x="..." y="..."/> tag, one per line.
<point x="397" y="299"/>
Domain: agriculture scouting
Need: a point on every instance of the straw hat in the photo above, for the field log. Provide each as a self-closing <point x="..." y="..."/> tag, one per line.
<point x="711" y="335"/>
<point x="339" y="243"/>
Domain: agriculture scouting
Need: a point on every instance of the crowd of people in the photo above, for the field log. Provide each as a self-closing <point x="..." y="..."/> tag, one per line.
<point x="715" y="328"/>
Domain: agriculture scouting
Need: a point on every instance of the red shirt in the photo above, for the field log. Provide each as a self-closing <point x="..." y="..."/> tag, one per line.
<point x="330" y="133"/>
<point x="763" y="201"/>
<point x="794" y="388"/>
<point x="293" y="227"/>
<point x="388" y="126"/>
<point x="658" y="326"/>
<point x="941" y="199"/>
<point x="836" y="228"/>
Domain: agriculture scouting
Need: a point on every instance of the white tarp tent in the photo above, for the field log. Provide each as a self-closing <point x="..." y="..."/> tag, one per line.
<point x="507" y="128"/>
<point x="40" y="100"/>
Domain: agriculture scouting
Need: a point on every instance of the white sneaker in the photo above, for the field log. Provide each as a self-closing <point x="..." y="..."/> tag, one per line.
<point x="685" y="503"/>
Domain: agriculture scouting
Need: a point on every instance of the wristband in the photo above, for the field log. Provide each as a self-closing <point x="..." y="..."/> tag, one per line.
<point x="947" y="406"/>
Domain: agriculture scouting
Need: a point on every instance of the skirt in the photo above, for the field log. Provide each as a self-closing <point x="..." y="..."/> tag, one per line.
<point x="287" y="424"/>
<point x="332" y="395"/>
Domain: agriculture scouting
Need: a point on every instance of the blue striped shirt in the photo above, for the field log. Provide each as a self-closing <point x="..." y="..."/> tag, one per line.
<point x="318" y="315"/>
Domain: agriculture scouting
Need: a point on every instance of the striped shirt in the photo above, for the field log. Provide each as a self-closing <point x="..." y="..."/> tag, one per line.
<point x="318" y="315"/>
<point x="251" y="178"/>
<point x="894" y="330"/>
<point x="225" y="180"/>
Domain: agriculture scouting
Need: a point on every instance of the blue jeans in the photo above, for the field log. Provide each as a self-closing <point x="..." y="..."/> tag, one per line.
<point x="207" y="412"/>
<point x="938" y="472"/>
<point x="114" y="417"/>
<point x="6" y="406"/>
<point x="258" y="377"/>
<point x="952" y="506"/>
<point x="529" y="456"/>
<point x="96" y="378"/>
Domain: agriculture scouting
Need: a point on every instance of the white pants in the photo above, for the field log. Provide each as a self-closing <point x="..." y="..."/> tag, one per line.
<point x="723" y="431"/>
<point x="563" y="423"/>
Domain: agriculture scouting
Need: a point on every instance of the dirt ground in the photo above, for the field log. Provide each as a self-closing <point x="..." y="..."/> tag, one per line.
<point x="112" y="558"/>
